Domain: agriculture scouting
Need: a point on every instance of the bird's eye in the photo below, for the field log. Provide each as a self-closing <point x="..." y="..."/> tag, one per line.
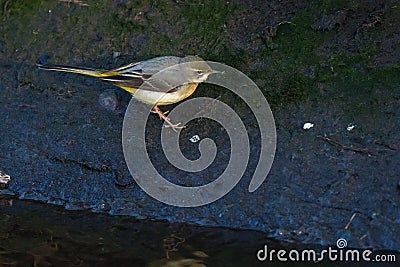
<point x="199" y="72"/>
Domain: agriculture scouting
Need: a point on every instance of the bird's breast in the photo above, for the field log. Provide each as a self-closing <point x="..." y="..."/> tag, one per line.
<point x="162" y="98"/>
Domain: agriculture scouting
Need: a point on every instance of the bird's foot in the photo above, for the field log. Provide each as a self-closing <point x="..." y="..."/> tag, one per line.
<point x="174" y="126"/>
<point x="162" y="116"/>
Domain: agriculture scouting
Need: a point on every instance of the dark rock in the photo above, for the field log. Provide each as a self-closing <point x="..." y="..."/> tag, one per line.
<point x="109" y="100"/>
<point x="328" y="22"/>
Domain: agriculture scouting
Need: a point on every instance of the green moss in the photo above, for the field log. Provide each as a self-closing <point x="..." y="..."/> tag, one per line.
<point x="20" y="7"/>
<point x="205" y="21"/>
<point x="294" y="54"/>
<point x="295" y="69"/>
<point x="288" y="67"/>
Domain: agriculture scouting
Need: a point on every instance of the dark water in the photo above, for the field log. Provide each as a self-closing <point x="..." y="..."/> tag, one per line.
<point x="35" y="234"/>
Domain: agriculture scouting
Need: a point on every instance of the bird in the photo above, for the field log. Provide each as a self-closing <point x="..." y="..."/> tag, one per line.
<point x="157" y="81"/>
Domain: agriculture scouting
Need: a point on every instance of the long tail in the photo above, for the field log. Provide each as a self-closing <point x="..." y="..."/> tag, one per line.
<point x="85" y="71"/>
<point x="42" y="64"/>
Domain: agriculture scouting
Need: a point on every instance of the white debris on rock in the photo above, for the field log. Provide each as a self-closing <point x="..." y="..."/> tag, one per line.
<point x="4" y="178"/>
<point x="308" y="125"/>
<point x="194" y="138"/>
<point x="351" y="126"/>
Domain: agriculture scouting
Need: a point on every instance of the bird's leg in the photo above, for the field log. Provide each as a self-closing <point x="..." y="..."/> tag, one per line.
<point x="166" y="119"/>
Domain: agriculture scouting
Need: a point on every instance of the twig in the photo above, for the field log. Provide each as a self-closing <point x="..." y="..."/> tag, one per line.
<point x="350" y="148"/>
<point x="5" y="7"/>
<point x="78" y="2"/>
<point x="351" y="219"/>
<point x="24" y="105"/>
<point x="120" y="184"/>
<point x="171" y="243"/>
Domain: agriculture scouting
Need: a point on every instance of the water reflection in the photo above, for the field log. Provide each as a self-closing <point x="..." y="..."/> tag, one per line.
<point x="34" y="234"/>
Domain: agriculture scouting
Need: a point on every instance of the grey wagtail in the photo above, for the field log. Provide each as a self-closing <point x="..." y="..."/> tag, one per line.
<point x="141" y="79"/>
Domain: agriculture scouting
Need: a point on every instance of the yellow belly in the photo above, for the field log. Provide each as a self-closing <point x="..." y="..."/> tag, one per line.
<point x="161" y="98"/>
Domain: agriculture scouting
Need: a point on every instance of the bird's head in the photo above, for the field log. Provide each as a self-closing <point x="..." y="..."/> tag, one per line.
<point x="196" y="69"/>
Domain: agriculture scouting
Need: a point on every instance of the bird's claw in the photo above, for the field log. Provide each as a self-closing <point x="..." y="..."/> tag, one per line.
<point x="167" y="120"/>
<point x="174" y="126"/>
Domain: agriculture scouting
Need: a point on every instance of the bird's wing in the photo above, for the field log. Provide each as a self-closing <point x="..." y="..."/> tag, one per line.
<point x="142" y="82"/>
<point x="147" y="75"/>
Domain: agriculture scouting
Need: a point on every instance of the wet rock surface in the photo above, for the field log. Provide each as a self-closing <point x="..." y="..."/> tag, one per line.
<point x="60" y="146"/>
<point x="328" y="22"/>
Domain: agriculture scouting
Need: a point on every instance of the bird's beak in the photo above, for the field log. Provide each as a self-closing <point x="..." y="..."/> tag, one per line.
<point x="217" y="72"/>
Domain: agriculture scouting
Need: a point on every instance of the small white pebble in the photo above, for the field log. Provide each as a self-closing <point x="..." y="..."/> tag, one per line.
<point x="4" y="178"/>
<point x="194" y="138"/>
<point x="308" y="125"/>
<point x="350" y="127"/>
<point x="49" y="10"/>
